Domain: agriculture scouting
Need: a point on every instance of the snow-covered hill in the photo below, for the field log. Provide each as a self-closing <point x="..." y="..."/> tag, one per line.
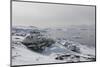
<point x="63" y="50"/>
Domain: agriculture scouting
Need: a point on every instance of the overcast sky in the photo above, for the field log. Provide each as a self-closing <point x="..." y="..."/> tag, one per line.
<point x="51" y="15"/>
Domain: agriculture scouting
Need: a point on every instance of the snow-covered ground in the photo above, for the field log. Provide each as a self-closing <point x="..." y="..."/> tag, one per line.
<point x="57" y="53"/>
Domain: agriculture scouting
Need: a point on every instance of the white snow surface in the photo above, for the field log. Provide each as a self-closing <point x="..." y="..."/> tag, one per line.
<point x="21" y="55"/>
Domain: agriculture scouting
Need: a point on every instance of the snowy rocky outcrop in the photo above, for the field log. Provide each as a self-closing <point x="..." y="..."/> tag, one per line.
<point x="36" y="41"/>
<point x="77" y="52"/>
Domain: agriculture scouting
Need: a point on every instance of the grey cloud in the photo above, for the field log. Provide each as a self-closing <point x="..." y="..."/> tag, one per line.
<point x="48" y="15"/>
